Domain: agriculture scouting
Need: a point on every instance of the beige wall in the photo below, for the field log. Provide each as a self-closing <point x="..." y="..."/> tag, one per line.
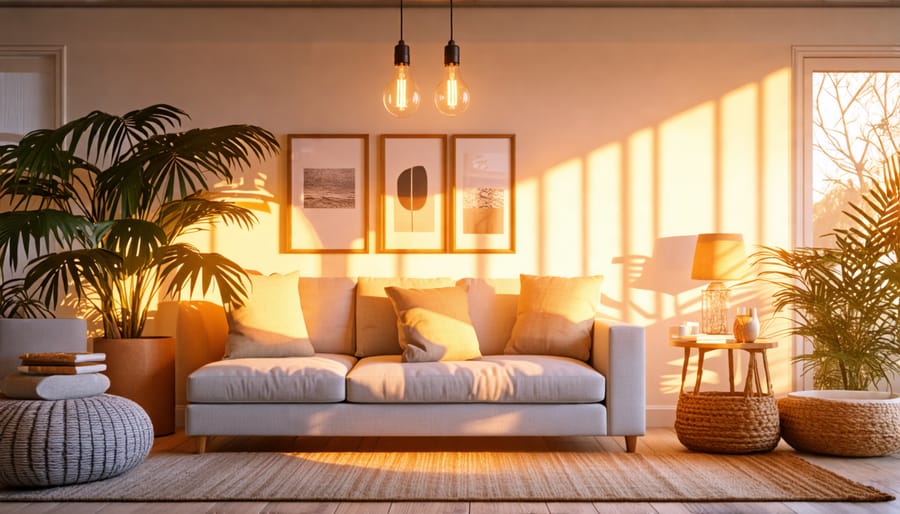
<point x="636" y="129"/>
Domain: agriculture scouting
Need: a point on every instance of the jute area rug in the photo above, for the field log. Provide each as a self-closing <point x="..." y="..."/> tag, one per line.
<point x="466" y="476"/>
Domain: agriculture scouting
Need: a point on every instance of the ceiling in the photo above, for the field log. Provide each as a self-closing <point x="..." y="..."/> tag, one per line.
<point x="443" y="3"/>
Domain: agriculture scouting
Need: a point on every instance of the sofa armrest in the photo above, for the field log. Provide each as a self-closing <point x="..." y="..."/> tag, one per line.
<point x="200" y="329"/>
<point x="618" y="351"/>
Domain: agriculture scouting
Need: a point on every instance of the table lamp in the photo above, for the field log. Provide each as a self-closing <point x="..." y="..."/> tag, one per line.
<point x="717" y="257"/>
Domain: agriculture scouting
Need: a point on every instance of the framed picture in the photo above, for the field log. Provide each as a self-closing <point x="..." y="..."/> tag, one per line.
<point x="412" y="200"/>
<point x="483" y="193"/>
<point x="328" y="190"/>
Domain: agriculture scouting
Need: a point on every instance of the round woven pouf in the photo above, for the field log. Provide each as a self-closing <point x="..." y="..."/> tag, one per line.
<point x="719" y="422"/>
<point x="49" y="443"/>
<point x="843" y="423"/>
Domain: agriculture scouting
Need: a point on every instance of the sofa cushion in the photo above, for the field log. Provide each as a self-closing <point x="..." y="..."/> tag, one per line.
<point x="317" y="379"/>
<point x="270" y="323"/>
<point x="376" y="322"/>
<point x="328" y="304"/>
<point x="497" y="378"/>
<point x="555" y="316"/>
<point x="492" y="308"/>
<point x="433" y="324"/>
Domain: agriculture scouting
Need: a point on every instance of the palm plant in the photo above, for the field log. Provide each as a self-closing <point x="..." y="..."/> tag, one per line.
<point x="98" y="207"/>
<point x="846" y="299"/>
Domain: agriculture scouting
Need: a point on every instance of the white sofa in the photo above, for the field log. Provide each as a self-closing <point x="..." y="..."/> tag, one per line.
<point x="357" y="385"/>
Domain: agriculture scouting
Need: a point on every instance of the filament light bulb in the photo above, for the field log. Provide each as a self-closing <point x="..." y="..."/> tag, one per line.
<point x="401" y="95"/>
<point x="452" y="94"/>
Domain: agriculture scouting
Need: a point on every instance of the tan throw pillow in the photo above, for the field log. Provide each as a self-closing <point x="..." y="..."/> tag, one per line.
<point x="433" y="324"/>
<point x="376" y="320"/>
<point x="555" y="316"/>
<point x="270" y="323"/>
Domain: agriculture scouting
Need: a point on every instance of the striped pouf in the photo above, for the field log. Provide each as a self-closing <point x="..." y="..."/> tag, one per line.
<point x="58" y="442"/>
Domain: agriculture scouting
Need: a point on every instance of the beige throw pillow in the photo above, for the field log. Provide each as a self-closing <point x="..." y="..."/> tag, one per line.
<point x="376" y="320"/>
<point x="555" y="316"/>
<point x="270" y="323"/>
<point x="433" y="324"/>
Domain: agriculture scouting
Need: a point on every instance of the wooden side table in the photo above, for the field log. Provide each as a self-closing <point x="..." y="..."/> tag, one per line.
<point x="755" y="349"/>
<point x="728" y="421"/>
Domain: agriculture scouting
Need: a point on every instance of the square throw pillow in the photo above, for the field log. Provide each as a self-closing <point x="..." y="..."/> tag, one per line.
<point x="433" y="324"/>
<point x="270" y="323"/>
<point x="555" y="316"/>
<point x="376" y="320"/>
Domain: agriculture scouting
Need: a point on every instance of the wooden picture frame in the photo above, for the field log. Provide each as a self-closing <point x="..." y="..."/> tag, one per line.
<point x="328" y="194"/>
<point x="483" y="193"/>
<point x="412" y="194"/>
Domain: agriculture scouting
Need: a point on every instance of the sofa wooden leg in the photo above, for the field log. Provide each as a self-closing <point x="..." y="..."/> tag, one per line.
<point x="201" y="444"/>
<point x="630" y="443"/>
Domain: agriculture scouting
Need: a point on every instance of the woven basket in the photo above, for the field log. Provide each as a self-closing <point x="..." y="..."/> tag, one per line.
<point x="719" y="422"/>
<point x="840" y="423"/>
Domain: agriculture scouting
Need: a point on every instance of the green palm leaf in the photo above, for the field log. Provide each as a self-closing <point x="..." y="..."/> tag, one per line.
<point x="35" y="231"/>
<point x="186" y="267"/>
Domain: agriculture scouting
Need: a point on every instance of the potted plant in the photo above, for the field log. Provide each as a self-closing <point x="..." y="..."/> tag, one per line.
<point x="845" y="302"/>
<point x="99" y="206"/>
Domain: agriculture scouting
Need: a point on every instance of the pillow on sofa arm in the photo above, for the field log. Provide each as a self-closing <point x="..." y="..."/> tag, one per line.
<point x="434" y="324"/>
<point x="270" y="323"/>
<point x="555" y="316"/>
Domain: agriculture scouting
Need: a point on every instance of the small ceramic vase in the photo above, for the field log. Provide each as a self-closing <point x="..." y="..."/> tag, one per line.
<point x="750" y="327"/>
<point x="741" y="318"/>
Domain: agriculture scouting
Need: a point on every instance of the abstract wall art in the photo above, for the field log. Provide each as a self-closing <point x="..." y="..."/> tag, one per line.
<point x="329" y="194"/>
<point x="482" y="193"/>
<point x="412" y="200"/>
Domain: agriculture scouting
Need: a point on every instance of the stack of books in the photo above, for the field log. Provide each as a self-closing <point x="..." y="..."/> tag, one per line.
<point x="62" y="363"/>
<point x="57" y="376"/>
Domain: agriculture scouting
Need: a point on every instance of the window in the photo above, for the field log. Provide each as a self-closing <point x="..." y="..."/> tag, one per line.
<point x="848" y="125"/>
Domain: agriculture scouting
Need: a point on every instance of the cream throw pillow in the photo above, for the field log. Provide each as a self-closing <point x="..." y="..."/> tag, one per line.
<point x="555" y="316"/>
<point x="270" y="323"/>
<point x="434" y="324"/>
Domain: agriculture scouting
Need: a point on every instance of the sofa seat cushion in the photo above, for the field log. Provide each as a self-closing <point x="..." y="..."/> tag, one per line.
<point x="494" y="378"/>
<point x="317" y="379"/>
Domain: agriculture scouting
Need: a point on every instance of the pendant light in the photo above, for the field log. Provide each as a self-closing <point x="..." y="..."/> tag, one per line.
<point x="401" y="95"/>
<point x="452" y="95"/>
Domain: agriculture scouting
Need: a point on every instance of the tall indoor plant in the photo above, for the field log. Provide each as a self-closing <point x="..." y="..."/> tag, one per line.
<point x="845" y="302"/>
<point x="99" y="206"/>
<point x="846" y="298"/>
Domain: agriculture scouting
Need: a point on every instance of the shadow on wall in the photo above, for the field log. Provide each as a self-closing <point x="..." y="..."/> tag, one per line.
<point x="667" y="270"/>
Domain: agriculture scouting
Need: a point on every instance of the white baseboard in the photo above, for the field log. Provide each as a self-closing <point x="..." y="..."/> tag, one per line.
<point x="660" y="416"/>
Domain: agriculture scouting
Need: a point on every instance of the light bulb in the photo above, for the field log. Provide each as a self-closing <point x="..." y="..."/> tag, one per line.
<point x="401" y="95"/>
<point x="452" y="95"/>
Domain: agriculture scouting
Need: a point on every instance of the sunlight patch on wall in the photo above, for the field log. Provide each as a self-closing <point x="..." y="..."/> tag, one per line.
<point x="605" y="238"/>
<point x="739" y="149"/>
<point x="688" y="182"/>
<point x="561" y="193"/>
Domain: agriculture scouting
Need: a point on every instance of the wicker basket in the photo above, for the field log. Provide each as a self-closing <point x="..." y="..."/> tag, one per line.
<point x="843" y="423"/>
<point x="719" y="422"/>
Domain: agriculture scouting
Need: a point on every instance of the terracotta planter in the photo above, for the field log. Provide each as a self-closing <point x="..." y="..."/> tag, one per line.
<point x="143" y="370"/>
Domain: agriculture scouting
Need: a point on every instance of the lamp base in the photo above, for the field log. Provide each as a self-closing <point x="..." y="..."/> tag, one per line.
<point x="714" y="313"/>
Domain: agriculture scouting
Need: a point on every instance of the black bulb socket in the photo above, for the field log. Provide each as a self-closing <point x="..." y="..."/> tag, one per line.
<point x="451" y="53"/>
<point x="401" y="53"/>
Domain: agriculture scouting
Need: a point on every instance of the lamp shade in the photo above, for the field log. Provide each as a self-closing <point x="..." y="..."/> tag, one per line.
<point x="719" y="257"/>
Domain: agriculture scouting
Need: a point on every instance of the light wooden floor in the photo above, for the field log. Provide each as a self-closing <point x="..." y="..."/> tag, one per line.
<point x="882" y="473"/>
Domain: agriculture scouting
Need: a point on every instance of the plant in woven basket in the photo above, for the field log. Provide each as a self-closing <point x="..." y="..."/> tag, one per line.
<point x="845" y="299"/>
<point x="99" y="206"/>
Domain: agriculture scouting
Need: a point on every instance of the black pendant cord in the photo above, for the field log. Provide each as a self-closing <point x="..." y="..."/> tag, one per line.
<point x="401" y="20"/>
<point x="451" y="20"/>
